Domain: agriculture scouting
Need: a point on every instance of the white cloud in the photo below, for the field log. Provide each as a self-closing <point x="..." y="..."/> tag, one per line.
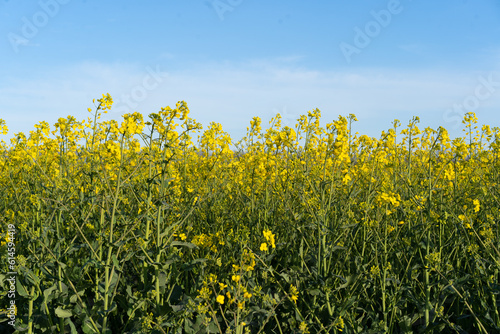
<point x="232" y="94"/>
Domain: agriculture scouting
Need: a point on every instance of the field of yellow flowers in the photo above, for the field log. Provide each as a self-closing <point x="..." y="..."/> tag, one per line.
<point x="133" y="227"/>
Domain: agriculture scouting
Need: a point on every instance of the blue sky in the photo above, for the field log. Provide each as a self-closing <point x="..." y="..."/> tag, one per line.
<point x="231" y="60"/>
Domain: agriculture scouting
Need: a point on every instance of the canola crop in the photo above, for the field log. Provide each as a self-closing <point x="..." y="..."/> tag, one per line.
<point x="156" y="225"/>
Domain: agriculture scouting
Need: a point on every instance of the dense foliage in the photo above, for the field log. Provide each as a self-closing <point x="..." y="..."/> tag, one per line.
<point x="134" y="228"/>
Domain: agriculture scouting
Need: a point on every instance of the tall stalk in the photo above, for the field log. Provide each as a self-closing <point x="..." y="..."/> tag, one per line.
<point x="107" y="274"/>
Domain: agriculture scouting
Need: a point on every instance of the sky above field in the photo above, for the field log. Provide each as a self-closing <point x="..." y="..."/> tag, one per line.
<point x="231" y="60"/>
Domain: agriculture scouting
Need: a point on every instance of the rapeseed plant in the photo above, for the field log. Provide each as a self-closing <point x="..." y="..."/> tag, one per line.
<point x="135" y="225"/>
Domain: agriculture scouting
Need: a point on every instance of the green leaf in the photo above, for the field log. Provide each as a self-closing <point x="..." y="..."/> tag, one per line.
<point x="31" y="277"/>
<point x="88" y="328"/>
<point x="315" y="292"/>
<point x="182" y="243"/>
<point x="162" y="279"/>
<point x="62" y="313"/>
<point x="115" y="262"/>
<point x="71" y="325"/>
<point x="349" y="280"/>
<point x="74" y="297"/>
<point x="112" y="308"/>
<point x="21" y="290"/>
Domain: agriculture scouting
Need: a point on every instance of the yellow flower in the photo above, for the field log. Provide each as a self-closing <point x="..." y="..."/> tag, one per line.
<point x="303" y="327"/>
<point x="3" y="127"/>
<point x="294" y="294"/>
<point x="147" y="321"/>
<point x="263" y="247"/>
<point x="236" y="278"/>
<point x="269" y="237"/>
<point x="374" y="271"/>
<point x="476" y="205"/>
<point x="220" y="299"/>
<point x="204" y="293"/>
<point x="247" y="295"/>
<point x="339" y="324"/>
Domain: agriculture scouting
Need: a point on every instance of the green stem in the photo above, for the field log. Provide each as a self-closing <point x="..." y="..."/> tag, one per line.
<point x="427" y="283"/>
<point x="107" y="276"/>
<point x="384" y="277"/>
<point x="30" y="310"/>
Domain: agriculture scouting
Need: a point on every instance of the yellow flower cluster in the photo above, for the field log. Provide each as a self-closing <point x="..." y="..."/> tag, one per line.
<point x="224" y="214"/>
<point x="269" y="236"/>
<point x="3" y="127"/>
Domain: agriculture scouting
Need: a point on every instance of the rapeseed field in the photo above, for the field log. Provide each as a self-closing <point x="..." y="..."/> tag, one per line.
<point x="156" y="225"/>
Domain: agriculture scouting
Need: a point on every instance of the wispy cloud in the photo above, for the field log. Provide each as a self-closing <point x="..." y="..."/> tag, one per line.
<point x="233" y="94"/>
